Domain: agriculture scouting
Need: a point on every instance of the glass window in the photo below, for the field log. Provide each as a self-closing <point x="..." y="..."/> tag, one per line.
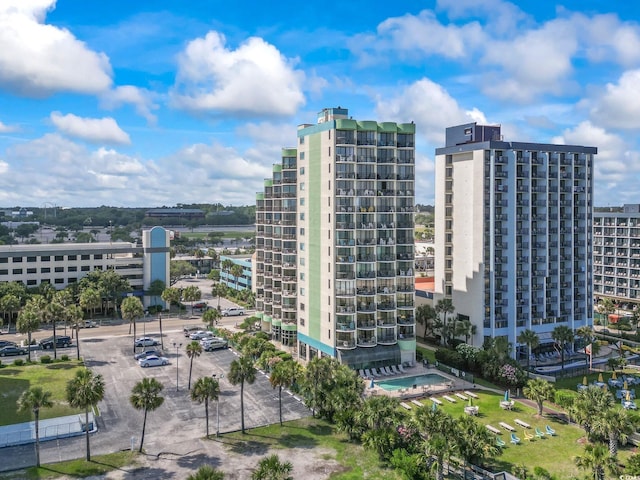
<point x="85" y="268"/>
<point x="4" y="260"/>
<point x="17" y="259"/>
<point x="45" y="258"/>
<point x="59" y="269"/>
<point x="85" y="257"/>
<point x="17" y="271"/>
<point x="301" y="170"/>
<point x="97" y="256"/>
<point x="72" y="269"/>
<point x="4" y="272"/>
<point x="72" y="257"/>
<point x="59" y="258"/>
<point x="45" y="270"/>
<point x="32" y="270"/>
<point x="59" y="280"/>
<point x="31" y="259"/>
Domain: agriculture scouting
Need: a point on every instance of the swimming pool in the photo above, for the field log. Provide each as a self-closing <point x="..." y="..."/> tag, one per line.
<point x="408" y="382"/>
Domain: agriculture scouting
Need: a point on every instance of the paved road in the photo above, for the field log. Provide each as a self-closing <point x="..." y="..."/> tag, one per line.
<point x="178" y="422"/>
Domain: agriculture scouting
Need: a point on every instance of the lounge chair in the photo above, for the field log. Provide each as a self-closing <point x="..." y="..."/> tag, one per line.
<point x="550" y="431"/>
<point x="500" y="443"/>
<point x="395" y="370"/>
<point x="375" y="373"/>
<point x="514" y="439"/>
<point x="386" y="371"/>
<point x="367" y="373"/>
<point x="402" y="370"/>
<point x="389" y="371"/>
<point x="539" y="433"/>
<point x="361" y="372"/>
<point x="528" y="436"/>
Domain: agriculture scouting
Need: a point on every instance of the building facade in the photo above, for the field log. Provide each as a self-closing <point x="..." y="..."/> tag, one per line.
<point x="241" y="282"/>
<point x="62" y="264"/>
<point x="616" y="255"/>
<point x="335" y="246"/>
<point x="513" y="233"/>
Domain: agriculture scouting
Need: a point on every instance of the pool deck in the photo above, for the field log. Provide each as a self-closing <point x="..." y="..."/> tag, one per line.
<point x="452" y="384"/>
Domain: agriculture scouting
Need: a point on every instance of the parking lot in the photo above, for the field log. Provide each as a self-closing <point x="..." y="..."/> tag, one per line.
<point x="179" y="422"/>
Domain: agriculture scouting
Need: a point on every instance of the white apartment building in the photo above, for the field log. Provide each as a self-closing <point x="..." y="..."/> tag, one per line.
<point x="513" y="232"/>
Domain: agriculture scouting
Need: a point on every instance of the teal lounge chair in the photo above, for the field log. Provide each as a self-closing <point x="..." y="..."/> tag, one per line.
<point x="514" y="439"/>
<point x="500" y="443"/>
<point x="539" y="433"/>
<point x="550" y="431"/>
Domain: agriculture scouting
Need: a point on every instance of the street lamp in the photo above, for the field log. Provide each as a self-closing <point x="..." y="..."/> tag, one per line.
<point x="213" y="375"/>
<point x="177" y="345"/>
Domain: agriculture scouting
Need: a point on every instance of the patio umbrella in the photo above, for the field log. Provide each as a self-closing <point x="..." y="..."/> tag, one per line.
<point x="585" y="381"/>
<point x="600" y="378"/>
<point x="628" y="396"/>
<point x="434" y="406"/>
<point x="625" y="386"/>
<point x="613" y="375"/>
<point x="506" y="395"/>
<point x="371" y="385"/>
<point x="470" y="402"/>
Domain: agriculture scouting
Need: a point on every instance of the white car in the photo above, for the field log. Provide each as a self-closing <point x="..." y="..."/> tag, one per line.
<point x="153" y="361"/>
<point x="146" y="342"/>
<point x="213" y="344"/>
<point x="230" y="312"/>
<point x="200" y="335"/>
<point x="89" y="324"/>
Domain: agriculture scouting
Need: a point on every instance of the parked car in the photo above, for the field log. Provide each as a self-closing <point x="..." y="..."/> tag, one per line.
<point x="214" y="344"/>
<point x="189" y="330"/>
<point x="12" y="350"/>
<point x="61" y="341"/>
<point x="88" y="324"/>
<point x="200" y="305"/>
<point x="153" y="361"/>
<point x="147" y="353"/>
<point x="230" y="312"/>
<point x="146" y="342"/>
<point x="200" y="335"/>
<point x="7" y="343"/>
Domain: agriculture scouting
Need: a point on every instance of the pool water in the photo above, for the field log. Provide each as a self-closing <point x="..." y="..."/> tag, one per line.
<point x="408" y="382"/>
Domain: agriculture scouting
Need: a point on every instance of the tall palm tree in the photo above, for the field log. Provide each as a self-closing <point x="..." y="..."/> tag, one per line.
<point x="283" y="375"/>
<point x="146" y="396"/>
<point x="236" y="271"/>
<point x="218" y="290"/>
<point x="473" y="442"/>
<point x="615" y="425"/>
<point x="539" y="390"/>
<point x="194" y="350"/>
<point x="74" y="316"/>
<point x="606" y="307"/>
<point x="28" y="322"/>
<point x="272" y="468"/>
<point x="34" y="399"/>
<point x="562" y="335"/>
<point x="53" y="312"/>
<point x="242" y="370"/>
<point x="9" y="303"/>
<point x="211" y="316"/>
<point x="191" y="294"/>
<point x="589" y="339"/>
<point x="132" y="309"/>
<point x="589" y="404"/>
<point x="206" y="472"/>
<point x="425" y="316"/>
<point x="435" y="427"/>
<point x="84" y="391"/>
<point x="531" y="340"/>
<point x="379" y="412"/>
<point x="205" y="389"/>
<point x="597" y="459"/>
<point x="444" y="307"/>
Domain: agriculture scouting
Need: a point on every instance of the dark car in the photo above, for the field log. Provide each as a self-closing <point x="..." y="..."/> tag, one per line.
<point x="147" y="353"/>
<point x="200" y="306"/>
<point x="12" y="350"/>
<point x="61" y="341"/>
<point x="7" y="343"/>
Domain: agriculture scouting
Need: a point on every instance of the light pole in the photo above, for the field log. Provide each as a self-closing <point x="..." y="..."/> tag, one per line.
<point x="218" y="405"/>
<point x="177" y="345"/>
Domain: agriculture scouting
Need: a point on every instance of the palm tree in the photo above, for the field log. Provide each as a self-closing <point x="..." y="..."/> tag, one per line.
<point x="191" y="294"/>
<point x="606" y="307"/>
<point x="589" y="404"/>
<point x="241" y="371"/>
<point x="598" y="460"/>
<point x="206" y="472"/>
<point x="218" y="290"/>
<point x="132" y="309"/>
<point x="236" y="271"/>
<point x="425" y="316"/>
<point x="271" y="468"/>
<point x="34" y="399"/>
<point x="531" y="340"/>
<point x="171" y="295"/>
<point x="539" y="390"/>
<point x="435" y="427"/>
<point x="28" y="322"/>
<point x="562" y="335"/>
<point x="84" y="391"/>
<point x="589" y="339"/>
<point x="283" y="375"/>
<point x="9" y="303"/>
<point x="616" y="425"/>
<point x="146" y="396"/>
<point x="211" y="316"/>
<point x="205" y="389"/>
<point x="473" y="442"/>
<point x="379" y="412"/>
<point x="53" y="312"/>
<point x="194" y="350"/>
<point x="445" y="307"/>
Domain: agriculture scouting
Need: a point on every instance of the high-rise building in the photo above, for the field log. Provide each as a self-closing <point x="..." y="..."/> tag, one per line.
<point x="513" y="233"/>
<point x="334" y="246"/>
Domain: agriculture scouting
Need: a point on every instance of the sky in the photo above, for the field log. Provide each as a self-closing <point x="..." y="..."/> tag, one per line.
<point x="161" y="102"/>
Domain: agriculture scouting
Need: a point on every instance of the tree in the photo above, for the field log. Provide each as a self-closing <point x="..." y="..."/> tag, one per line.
<point x="34" y="399"/>
<point x="205" y="389"/>
<point x="241" y="371"/>
<point x="171" y="295"/>
<point x="191" y="294"/>
<point x="589" y="339"/>
<point x="214" y="275"/>
<point x="426" y="316"/>
<point x="283" y="375"/>
<point x="218" y="290"/>
<point x="84" y="391"/>
<point x="597" y="459"/>
<point x="113" y="287"/>
<point x="10" y="304"/>
<point x="606" y="306"/>
<point x="539" y="390"/>
<point x="194" y="350"/>
<point x="52" y="313"/>
<point x="74" y="316"/>
<point x="531" y="340"/>
<point x="236" y="271"/>
<point x="562" y="335"/>
<point x="132" y="309"/>
<point x="589" y="404"/>
<point x="615" y="425"/>
<point x="146" y="396"/>
<point x="90" y="300"/>
<point x="211" y="316"/>
<point x="179" y="269"/>
<point x="444" y="307"/>
<point x="156" y="288"/>
<point x="28" y="322"/>
<point x="435" y="427"/>
<point x="206" y="472"/>
<point x="272" y="468"/>
<point x="473" y="442"/>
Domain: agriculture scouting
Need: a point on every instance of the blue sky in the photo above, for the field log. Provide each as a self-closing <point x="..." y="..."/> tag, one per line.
<point x="157" y="102"/>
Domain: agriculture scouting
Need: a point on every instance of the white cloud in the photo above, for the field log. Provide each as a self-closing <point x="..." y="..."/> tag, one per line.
<point x="7" y="128"/>
<point x="430" y="106"/>
<point x="502" y="17"/>
<point x="94" y="130"/>
<point x="253" y="79"/>
<point x="619" y="105"/>
<point x="37" y="59"/>
<point x="140" y="98"/>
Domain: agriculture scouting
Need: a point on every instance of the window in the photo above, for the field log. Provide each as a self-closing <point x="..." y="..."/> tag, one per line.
<point x="301" y="230"/>
<point x="301" y="215"/>
<point x="59" y="280"/>
<point x="84" y="268"/>
<point x="302" y="292"/>
<point x="59" y="258"/>
<point x="329" y="149"/>
<point x="302" y="260"/>
<point x="17" y="259"/>
<point x="59" y="269"/>
<point x="72" y="257"/>
<point x="72" y="280"/>
<point x="45" y="258"/>
<point x="4" y="260"/>
<point x="17" y="271"/>
<point x="302" y="201"/>
<point x="329" y="331"/>
<point x="301" y="140"/>
<point x="301" y="155"/>
<point x="32" y="270"/>
<point x="301" y="321"/>
<point x="301" y="275"/>
<point x="302" y="307"/>
<point x="85" y="257"/>
<point x="72" y="269"/>
<point x="31" y="259"/>
<point x="301" y="186"/>
<point x="4" y="272"/>
<point x="97" y="256"/>
<point x="45" y="270"/>
<point x="302" y="247"/>
<point x="301" y="170"/>
<point x="31" y="283"/>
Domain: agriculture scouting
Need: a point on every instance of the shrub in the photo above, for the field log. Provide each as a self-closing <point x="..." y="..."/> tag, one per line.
<point x="64" y="358"/>
<point x="564" y="398"/>
<point x="45" y="359"/>
<point x="451" y="358"/>
<point x="18" y="362"/>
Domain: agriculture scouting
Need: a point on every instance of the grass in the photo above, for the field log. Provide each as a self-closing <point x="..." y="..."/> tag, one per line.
<point x="52" y="377"/>
<point x="555" y="454"/>
<point x="99" y="465"/>
<point x="311" y="433"/>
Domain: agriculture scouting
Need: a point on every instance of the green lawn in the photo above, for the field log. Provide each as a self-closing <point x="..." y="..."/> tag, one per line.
<point x="555" y="454"/>
<point x="52" y="377"/>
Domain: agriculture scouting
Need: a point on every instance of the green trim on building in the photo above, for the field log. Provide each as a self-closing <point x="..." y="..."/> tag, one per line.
<point x="276" y="322"/>
<point x="314" y="235"/>
<point x="259" y="315"/>
<point x="266" y="318"/>
<point x="268" y="182"/>
<point x="388" y="127"/>
<point x="368" y="125"/>
<point x="346" y="124"/>
<point x="407" y="128"/>
<point x="260" y="196"/>
<point x="408" y="345"/>
<point x="289" y="152"/>
<point x="290" y="327"/>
